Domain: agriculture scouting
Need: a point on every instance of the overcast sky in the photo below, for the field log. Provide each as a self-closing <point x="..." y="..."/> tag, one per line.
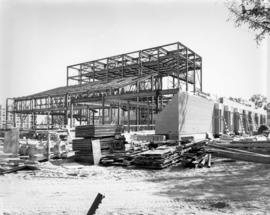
<point x="38" y="39"/>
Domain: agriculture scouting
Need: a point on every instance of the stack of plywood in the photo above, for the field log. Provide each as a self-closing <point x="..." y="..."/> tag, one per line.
<point x="89" y="131"/>
<point x="106" y="136"/>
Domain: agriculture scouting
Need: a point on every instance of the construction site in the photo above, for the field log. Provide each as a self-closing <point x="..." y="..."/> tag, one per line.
<point x="135" y="133"/>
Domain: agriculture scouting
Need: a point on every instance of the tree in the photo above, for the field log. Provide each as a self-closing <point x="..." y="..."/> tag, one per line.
<point x="260" y="101"/>
<point x="254" y="13"/>
<point x="267" y="107"/>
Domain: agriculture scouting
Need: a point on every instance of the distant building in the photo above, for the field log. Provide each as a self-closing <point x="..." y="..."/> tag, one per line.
<point x="2" y="117"/>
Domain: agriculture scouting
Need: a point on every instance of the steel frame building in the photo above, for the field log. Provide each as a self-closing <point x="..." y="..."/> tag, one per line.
<point x="128" y="89"/>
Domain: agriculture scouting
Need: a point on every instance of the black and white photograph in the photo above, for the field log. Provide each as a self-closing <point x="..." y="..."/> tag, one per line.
<point x="134" y="107"/>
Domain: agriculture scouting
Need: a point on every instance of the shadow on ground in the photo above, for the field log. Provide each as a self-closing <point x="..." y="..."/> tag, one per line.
<point x="225" y="180"/>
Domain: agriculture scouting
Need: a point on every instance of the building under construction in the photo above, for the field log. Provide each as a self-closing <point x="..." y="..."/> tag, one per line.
<point x="128" y="89"/>
<point x="133" y="90"/>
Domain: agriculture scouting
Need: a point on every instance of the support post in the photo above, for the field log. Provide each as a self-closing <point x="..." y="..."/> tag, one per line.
<point x="87" y="116"/>
<point x="34" y="120"/>
<point x="128" y="117"/>
<point x="194" y="73"/>
<point x="137" y="115"/>
<point x="48" y="145"/>
<point x="6" y="113"/>
<point x="71" y="115"/>
<point x="178" y="66"/>
<point x="21" y="121"/>
<point x="103" y="110"/>
<point x="14" y="119"/>
<point x="48" y="120"/>
<point x="111" y="114"/>
<point x="93" y="118"/>
<point x="186" y="69"/>
<point x="80" y="113"/>
<point x="66" y="111"/>
<point x="148" y="114"/>
<point x="52" y="120"/>
<point x="123" y="66"/>
<point x="107" y="70"/>
<point x="161" y="97"/>
<point x="118" y="114"/>
<point x="201" y="76"/>
<point x="67" y="76"/>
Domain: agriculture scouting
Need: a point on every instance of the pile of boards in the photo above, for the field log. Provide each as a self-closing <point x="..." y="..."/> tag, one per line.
<point x="158" y="158"/>
<point x="106" y="136"/>
<point x="194" y="154"/>
<point x="14" y="163"/>
<point x="190" y="154"/>
<point x="119" y="159"/>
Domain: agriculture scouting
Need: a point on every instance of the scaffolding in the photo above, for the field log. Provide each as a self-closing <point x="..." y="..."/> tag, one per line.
<point x="127" y="89"/>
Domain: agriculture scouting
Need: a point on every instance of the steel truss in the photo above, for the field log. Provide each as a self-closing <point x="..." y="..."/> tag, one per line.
<point x="128" y="89"/>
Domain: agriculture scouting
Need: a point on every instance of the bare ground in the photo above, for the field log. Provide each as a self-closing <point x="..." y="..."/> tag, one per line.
<point x="70" y="188"/>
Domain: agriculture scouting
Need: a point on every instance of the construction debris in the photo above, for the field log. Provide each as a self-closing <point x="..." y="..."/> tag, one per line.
<point x="11" y="163"/>
<point x="162" y="156"/>
<point x="11" y="169"/>
<point x="36" y="146"/>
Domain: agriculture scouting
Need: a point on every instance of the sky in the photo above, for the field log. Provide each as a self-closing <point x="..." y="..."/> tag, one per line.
<point x="38" y="39"/>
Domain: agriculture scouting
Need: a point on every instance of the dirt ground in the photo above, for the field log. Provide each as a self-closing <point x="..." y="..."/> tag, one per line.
<point x="62" y="187"/>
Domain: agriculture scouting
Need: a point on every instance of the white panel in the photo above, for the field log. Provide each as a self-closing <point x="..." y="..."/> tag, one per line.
<point x="195" y="114"/>
<point x="167" y="120"/>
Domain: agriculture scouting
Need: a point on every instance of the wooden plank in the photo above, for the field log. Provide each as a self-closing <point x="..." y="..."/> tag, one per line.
<point x="239" y="154"/>
<point x="246" y="145"/>
<point x="95" y="204"/>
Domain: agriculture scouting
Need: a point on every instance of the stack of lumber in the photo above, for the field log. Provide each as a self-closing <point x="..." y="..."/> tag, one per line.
<point x="159" y="158"/>
<point x="82" y="145"/>
<point x="107" y="135"/>
<point x="119" y="159"/>
<point x="84" y="150"/>
<point x="96" y="131"/>
<point x="194" y="154"/>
